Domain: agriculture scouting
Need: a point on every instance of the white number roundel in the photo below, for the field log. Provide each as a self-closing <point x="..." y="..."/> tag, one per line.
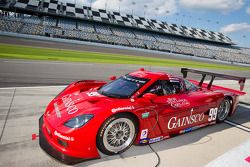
<point x="212" y="114"/>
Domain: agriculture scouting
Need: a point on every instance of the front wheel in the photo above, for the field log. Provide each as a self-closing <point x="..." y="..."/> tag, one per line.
<point x="223" y="110"/>
<point x="117" y="134"/>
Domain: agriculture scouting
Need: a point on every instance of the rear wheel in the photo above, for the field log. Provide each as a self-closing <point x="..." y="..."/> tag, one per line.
<point x="223" y="110"/>
<point x="117" y="134"/>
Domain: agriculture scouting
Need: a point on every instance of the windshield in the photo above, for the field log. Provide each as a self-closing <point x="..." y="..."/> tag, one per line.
<point x="124" y="87"/>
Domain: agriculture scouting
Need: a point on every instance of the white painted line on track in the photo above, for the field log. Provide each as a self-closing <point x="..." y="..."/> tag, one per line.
<point x="238" y="126"/>
<point x="31" y="87"/>
<point x="235" y="157"/>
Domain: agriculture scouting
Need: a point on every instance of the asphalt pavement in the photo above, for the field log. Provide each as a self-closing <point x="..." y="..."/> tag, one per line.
<point x="46" y="73"/>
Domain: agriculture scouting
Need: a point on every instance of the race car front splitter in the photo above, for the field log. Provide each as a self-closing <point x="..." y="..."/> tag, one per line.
<point x="44" y="144"/>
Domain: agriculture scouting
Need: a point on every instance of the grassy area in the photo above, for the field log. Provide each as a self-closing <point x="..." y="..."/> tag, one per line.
<point x="33" y="53"/>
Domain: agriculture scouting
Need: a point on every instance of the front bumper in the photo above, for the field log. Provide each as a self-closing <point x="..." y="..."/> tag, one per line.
<point x="49" y="149"/>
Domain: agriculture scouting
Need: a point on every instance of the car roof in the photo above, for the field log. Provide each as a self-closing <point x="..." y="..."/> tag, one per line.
<point x="151" y="75"/>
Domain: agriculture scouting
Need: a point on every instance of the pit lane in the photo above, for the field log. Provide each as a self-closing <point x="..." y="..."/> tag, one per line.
<point x="21" y="107"/>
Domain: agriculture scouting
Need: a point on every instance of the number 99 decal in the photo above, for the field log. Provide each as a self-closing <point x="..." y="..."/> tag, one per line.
<point x="212" y="114"/>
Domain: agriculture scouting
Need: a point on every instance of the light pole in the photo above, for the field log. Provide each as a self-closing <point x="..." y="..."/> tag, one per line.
<point x="133" y="3"/>
<point x="208" y="22"/>
<point x="199" y="20"/>
<point x="189" y="21"/>
<point x="167" y="12"/>
<point x="156" y="13"/>
<point x="120" y="6"/>
<point x="177" y="15"/>
<point x="145" y="7"/>
<point x="183" y="19"/>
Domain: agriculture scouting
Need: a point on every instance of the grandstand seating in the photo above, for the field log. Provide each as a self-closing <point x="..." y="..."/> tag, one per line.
<point x="67" y="24"/>
<point x="87" y="27"/>
<point x="144" y="36"/>
<point x="32" y="20"/>
<point x="11" y="26"/>
<point x="123" y="32"/>
<point x="136" y="43"/>
<point x="90" y="31"/>
<point x="101" y="29"/>
<point x="163" y="38"/>
<point x="50" y="21"/>
<point x="33" y="29"/>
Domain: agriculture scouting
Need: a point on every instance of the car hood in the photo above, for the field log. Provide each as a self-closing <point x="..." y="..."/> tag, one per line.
<point x="69" y="106"/>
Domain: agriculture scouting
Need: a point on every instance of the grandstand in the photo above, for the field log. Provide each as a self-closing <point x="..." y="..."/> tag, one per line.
<point x="56" y="19"/>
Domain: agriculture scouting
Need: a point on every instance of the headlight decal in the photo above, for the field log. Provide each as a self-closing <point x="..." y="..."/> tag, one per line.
<point x="78" y="121"/>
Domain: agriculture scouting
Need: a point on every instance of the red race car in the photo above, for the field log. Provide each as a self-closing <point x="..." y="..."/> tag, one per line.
<point x="139" y="108"/>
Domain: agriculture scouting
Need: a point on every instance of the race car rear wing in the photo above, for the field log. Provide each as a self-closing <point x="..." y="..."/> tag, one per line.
<point x="241" y="80"/>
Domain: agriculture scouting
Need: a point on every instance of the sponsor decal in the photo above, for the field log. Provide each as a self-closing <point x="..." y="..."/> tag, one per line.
<point x="68" y="138"/>
<point x="48" y="130"/>
<point x="193" y="128"/>
<point x="186" y="130"/>
<point x="145" y="115"/>
<point x="114" y="110"/>
<point x="177" y="103"/>
<point x="48" y="113"/>
<point x="69" y="104"/>
<point x="58" y="113"/>
<point x="212" y="114"/>
<point x="175" y="122"/>
<point x="144" y="134"/>
<point x="144" y="141"/>
<point x="132" y="100"/>
<point x="134" y="80"/>
<point x="208" y="93"/>
<point x="76" y="93"/>
<point x="166" y="137"/>
<point x="157" y="139"/>
<point x="90" y="94"/>
<point x="203" y="125"/>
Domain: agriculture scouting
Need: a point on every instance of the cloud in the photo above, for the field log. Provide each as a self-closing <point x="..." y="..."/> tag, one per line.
<point x="248" y="10"/>
<point x="237" y="27"/>
<point x="223" y="6"/>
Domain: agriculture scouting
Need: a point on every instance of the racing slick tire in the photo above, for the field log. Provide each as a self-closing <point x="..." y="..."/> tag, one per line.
<point x="117" y="134"/>
<point x="223" y="110"/>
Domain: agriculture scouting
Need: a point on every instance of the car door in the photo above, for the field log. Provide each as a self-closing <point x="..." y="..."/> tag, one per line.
<point x="181" y="111"/>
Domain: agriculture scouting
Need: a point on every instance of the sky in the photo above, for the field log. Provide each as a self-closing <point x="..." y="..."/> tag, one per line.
<point x="231" y="17"/>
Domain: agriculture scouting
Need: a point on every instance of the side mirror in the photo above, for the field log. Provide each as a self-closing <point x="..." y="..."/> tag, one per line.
<point x="149" y="96"/>
<point x="112" y="78"/>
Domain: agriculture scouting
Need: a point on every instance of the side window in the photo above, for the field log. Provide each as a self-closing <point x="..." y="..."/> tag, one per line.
<point x="190" y="86"/>
<point x="156" y="88"/>
<point x="177" y="86"/>
<point x="163" y="87"/>
<point x="168" y="87"/>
